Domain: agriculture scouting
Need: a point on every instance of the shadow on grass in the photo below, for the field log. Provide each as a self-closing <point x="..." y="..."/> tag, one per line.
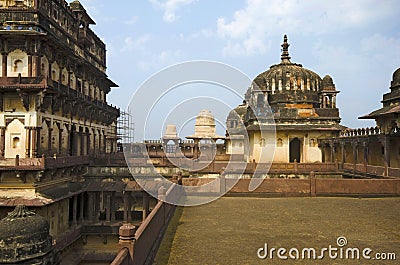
<point x="164" y="250"/>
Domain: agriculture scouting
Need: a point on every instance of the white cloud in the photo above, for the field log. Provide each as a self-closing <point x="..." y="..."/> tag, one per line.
<point x="170" y="7"/>
<point x="138" y="43"/>
<point x="247" y="31"/>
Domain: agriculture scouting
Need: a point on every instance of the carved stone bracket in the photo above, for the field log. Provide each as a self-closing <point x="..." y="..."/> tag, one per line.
<point x="25" y="98"/>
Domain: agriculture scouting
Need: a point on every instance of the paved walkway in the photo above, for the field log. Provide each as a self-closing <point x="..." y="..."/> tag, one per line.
<point x="232" y="229"/>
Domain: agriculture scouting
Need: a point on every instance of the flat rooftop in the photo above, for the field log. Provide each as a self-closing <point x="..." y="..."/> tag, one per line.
<point x="232" y="229"/>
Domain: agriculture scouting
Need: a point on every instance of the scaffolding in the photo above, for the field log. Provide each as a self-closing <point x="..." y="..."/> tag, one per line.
<point x="125" y="128"/>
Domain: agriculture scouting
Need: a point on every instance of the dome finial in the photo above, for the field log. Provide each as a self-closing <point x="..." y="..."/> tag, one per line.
<point x="285" y="51"/>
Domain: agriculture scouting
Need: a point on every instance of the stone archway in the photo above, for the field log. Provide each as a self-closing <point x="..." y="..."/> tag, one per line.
<point x="295" y="150"/>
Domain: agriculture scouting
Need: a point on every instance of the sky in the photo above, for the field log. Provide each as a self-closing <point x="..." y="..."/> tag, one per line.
<point x="356" y="42"/>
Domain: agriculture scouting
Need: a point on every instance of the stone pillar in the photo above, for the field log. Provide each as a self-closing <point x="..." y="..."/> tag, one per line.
<point x="2" y="141"/>
<point x="145" y="205"/>
<point x="94" y="142"/>
<point x="113" y="208"/>
<point x="82" y="140"/>
<point x="30" y="65"/>
<point x="4" y="65"/>
<point x="87" y="143"/>
<point x="386" y="143"/>
<point x="60" y="136"/>
<point x="125" y="197"/>
<point x="90" y="215"/>
<point x="81" y="208"/>
<point x="365" y="145"/>
<point x="108" y="207"/>
<point x="49" y="140"/>
<point x="74" y="143"/>
<point x="129" y="206"/>
<point x="36" y="66"/>
<point x="34" y="142"/>
<point x="354" y="145"/>
<point x="323" y="147"/>
<point x="342" y="145"/>
<point x="127" y="238"/>
<point x="38" y="147"/>
<point x="332" y="145"/>
<point x="28" y="142"/>
<point x="75" y="210"/>
<point x="334" y="101"/>
<point x="96" y="206"/>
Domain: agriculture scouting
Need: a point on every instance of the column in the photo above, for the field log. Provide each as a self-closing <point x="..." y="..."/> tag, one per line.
<point x="125" y="198"/>
<point x="81" y="208"/>
<point x="4" y="65"/>
<point x="365" y="145"/>
<point x="82" y="140"/>
<point x="342" y="145"/>
<point x="354" y="145"/>
<point x="90" y="215"/>
<point x="28" y="141"/>
<point x="96" y="206"/>
<point x="113" y="208"/>
<point x="60" y="139"/>
<point x="38" y="147"/>
<point x="36" y="66"/>
<point x="74" y="143"/>
<point x="87" y="143"/>
<point x="145" y="205"/>
<point x="34" y="142"/>
<point x="332" y="145"/>
<point x="94" y="142"/>
<point x="129" y="206"/>
<point x="2" y="141"/>
<point x="49" y="140"/>
<point x="74" y="210"/>
<point x="29" y="65"/>
<point x="108" y="207"/>
<point x="386" y="142"/>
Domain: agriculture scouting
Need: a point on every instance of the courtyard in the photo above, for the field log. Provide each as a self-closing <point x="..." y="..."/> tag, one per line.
<point x="231" y="230"/>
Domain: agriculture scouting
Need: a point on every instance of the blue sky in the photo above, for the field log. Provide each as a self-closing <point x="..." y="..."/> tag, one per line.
<point x="356" y="42"/>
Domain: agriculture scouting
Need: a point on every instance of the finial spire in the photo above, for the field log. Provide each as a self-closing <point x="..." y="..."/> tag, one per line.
<point x="285" y="58"/>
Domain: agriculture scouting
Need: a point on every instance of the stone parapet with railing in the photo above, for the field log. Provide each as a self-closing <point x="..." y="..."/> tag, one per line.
<point x="361" y="132"/>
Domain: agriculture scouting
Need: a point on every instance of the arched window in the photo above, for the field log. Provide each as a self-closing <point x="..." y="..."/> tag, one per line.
<point x="18" y="66"/>
<point x="16" y="142"/>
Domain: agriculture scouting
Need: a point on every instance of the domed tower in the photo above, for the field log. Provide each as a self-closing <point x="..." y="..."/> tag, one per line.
<point x="25" y="239"/>
<point x="387" y="117"/>
<point x="303" y="107"/>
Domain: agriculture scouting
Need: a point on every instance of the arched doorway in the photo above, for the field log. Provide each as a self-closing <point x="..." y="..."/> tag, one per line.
<point x="294" y="150"/>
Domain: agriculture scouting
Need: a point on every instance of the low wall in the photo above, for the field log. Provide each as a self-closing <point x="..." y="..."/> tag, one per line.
<point x="149" y="234"/>
<point x="305" y="187"/>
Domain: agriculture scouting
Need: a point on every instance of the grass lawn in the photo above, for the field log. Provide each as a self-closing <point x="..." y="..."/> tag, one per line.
<point x="232" y="229"/>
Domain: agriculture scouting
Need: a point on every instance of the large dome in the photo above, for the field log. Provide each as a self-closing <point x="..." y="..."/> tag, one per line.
<point x="288" y="76"/>
<point x="25" y="236"/>
<point x="396" y="78"/>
